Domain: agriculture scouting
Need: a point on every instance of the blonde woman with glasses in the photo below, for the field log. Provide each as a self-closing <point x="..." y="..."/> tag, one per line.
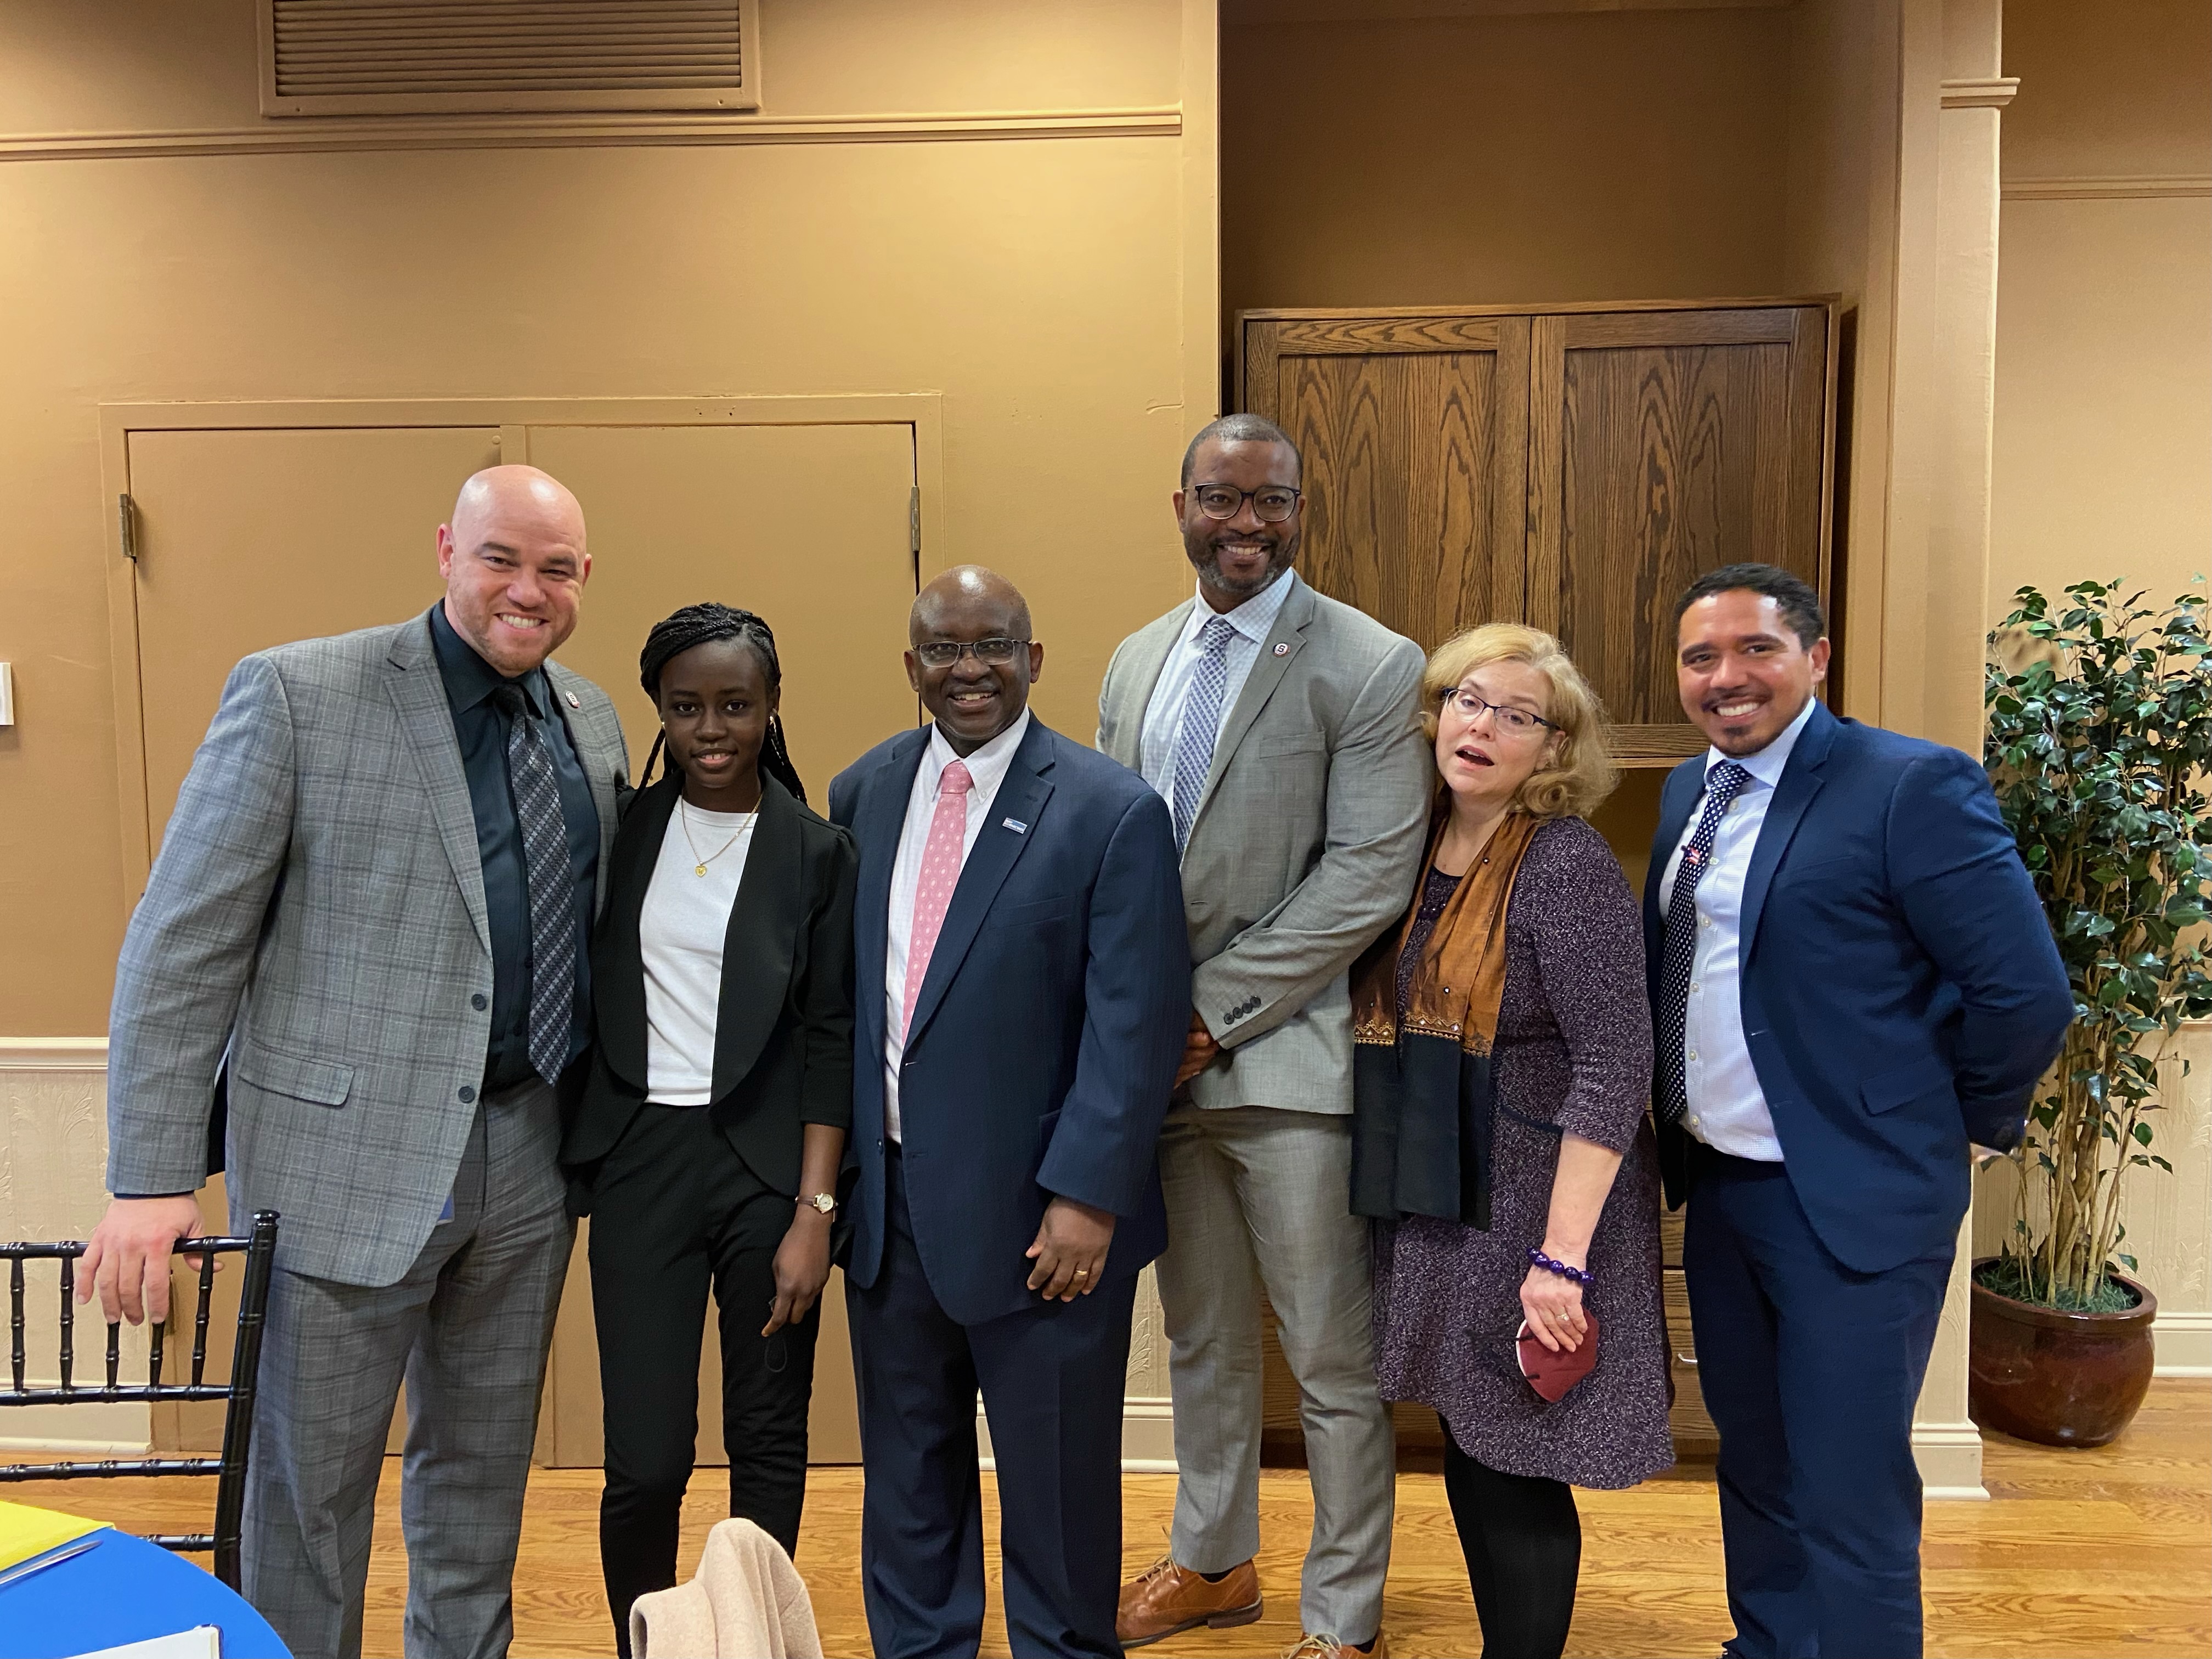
<point x="1501" y="1069"/>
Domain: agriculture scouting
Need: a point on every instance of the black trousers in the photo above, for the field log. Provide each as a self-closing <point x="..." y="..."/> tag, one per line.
<point x="673" y="1208"/>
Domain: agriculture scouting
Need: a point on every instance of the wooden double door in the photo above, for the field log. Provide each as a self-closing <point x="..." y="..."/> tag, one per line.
<point x="1570" y="467"/>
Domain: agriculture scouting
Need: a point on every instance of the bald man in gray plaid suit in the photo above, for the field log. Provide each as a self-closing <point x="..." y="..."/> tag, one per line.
<point x="372" y="913"/>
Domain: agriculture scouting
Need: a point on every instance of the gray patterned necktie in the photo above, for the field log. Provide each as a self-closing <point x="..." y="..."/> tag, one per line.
<point x="1201" y="724"/>
<point x="1680" y="954"/>
<point x="537" y="795"/>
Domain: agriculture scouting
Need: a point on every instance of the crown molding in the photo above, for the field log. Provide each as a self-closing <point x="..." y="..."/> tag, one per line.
<point x="317" y="136"/>
<point x="1980" y="92"/>
<point x="2091" y="187"/>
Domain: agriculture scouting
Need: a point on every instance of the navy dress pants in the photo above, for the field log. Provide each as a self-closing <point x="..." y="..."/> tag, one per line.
<point x="1051" y="1378"/>
<point x="1811" y="1371"/>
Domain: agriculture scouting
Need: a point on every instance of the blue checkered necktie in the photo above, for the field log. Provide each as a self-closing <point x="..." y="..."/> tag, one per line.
<point x="1201" y="724"/>
<point x="1723" y="784"/>
<point x="537" y="795"/>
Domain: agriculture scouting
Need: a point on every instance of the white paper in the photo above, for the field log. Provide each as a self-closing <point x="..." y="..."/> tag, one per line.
<point x="201" y="1642"/>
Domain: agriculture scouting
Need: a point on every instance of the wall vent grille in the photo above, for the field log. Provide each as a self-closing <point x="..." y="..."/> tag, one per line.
<point x="423" y="57"/>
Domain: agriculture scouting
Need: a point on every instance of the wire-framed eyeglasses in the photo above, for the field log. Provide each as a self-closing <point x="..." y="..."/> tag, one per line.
<point x="1271" y="503"/>
<point x="994" y="652"/>
<point x="1518" y="721"/>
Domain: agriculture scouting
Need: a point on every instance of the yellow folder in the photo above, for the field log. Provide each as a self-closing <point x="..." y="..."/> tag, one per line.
<point x="26" y="1531"/>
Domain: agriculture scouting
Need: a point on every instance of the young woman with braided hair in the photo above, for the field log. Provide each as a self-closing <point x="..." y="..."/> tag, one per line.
<point x="706" y="1144"/>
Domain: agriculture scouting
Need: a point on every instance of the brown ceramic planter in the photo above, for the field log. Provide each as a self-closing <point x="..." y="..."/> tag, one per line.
<point x="2059" y="1379"/>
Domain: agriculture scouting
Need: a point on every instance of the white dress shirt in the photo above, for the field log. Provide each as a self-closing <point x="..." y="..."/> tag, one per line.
<point x="1727" y="1108"/>
<point x="680" y="931"/>
<point x="987" y="770"/>
<point x="1254" y="620"/>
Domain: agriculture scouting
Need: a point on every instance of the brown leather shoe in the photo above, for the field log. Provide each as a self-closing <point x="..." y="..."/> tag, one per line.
<point x="1327" y="1647"/>
<point x="1165" y="1598"/>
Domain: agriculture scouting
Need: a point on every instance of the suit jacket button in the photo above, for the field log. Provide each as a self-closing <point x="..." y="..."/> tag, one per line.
<point x="467" y="1094"/>
<point x="479" y="1002"/>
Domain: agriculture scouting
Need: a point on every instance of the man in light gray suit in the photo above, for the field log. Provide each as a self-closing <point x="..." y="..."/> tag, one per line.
<point x="1281" y="727"/>
<point x="372" y="913"/>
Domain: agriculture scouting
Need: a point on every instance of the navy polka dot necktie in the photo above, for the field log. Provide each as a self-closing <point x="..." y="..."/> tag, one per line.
<point x="1723" y="784"/>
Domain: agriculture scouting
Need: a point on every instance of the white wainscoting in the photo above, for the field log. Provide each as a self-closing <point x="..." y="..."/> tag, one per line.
<point x="53" y="1157"/>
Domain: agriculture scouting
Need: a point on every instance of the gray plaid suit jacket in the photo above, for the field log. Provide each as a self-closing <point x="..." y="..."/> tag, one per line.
<point x="1306" y="844"/>
<point x="318" y="910"/>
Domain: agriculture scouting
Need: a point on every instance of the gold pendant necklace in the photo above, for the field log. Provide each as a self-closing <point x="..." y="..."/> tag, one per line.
<point x="683" y="816"/>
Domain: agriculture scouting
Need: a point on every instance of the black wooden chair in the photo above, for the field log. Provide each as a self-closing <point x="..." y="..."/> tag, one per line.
<point x="229" y="1469"/>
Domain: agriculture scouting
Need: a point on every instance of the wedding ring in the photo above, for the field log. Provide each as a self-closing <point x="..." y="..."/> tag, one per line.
<point x="1082" y="1272"/>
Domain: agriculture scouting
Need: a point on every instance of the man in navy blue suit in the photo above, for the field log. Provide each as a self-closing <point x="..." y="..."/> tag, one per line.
<point x="1853" y="985"/>
<point x="1024" y="985"/>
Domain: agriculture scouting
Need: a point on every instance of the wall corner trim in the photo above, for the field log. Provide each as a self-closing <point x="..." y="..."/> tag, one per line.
<point x="1980" y="92"/>
<point x="1950" y="1459"/>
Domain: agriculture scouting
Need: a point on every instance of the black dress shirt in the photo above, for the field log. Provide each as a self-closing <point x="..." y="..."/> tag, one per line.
<point x="482" y="729"/>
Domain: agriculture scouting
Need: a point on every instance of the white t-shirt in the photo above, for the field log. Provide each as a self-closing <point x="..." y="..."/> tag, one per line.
<point x="685" y="918"/>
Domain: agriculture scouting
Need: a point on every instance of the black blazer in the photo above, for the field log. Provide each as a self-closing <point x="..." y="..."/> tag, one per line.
<point x="783" y="1030"/>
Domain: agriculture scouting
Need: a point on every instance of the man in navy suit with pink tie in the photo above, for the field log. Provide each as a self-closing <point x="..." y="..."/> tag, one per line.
<point x="1024" y="985"/>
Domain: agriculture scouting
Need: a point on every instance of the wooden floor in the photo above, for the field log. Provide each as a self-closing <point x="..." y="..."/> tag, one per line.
<point x="2095" y="1553"/>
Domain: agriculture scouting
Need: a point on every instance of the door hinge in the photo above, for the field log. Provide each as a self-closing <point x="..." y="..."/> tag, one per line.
<point x="913" y="530"/>
<point x="126" y="514"/>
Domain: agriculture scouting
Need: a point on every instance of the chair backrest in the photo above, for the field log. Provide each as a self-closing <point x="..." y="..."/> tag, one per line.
<point x="259" y="1248"/>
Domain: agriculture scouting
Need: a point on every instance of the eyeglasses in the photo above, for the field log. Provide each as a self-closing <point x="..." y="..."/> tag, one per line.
<point x="991" y="652"/>
<point x="1271" y="503"/>
<point x="1518" y="721"/>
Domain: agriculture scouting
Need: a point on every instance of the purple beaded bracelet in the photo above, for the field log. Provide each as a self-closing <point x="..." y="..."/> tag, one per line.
<point x="1581" y="1276"/>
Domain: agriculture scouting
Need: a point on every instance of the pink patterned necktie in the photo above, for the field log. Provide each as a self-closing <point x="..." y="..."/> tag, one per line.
<point x="940" y="874"/>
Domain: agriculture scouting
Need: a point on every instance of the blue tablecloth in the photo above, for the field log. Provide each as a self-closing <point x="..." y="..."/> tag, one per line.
<point x="125" y="1590"/>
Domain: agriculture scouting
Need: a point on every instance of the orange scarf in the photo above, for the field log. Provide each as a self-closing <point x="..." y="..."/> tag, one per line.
<point x="1460" y="980"/>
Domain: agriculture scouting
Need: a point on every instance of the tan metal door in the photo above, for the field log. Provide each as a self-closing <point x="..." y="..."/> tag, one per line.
<point x="248" y="536"/>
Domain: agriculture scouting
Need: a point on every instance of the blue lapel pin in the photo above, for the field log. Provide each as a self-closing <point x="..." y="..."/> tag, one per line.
<point x="1016" y="825"/>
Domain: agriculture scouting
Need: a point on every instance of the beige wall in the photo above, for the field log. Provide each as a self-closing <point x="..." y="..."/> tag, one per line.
<point x="906" y="217"/>
<point x="2104" y="435"/>
<point x="1493" y="159"/>
<point x="2104" y="410"/>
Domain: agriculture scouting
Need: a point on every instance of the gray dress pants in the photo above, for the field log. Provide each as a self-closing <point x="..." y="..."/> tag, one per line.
<point x="1257" y="1196"/>
<point x="467" y="1326"/>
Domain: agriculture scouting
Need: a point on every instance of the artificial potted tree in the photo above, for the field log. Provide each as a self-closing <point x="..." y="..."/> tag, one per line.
<point x="2100" y="736"/>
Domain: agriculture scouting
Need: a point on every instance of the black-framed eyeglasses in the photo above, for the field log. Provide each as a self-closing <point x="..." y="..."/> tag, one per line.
<point x="1271" y="503"/>
<point x="994" y="652"/>
<point x="1518" y="721"/>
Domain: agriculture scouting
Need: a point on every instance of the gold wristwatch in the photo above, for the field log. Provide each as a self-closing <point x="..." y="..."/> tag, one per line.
<point x="825" y="1202"/>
